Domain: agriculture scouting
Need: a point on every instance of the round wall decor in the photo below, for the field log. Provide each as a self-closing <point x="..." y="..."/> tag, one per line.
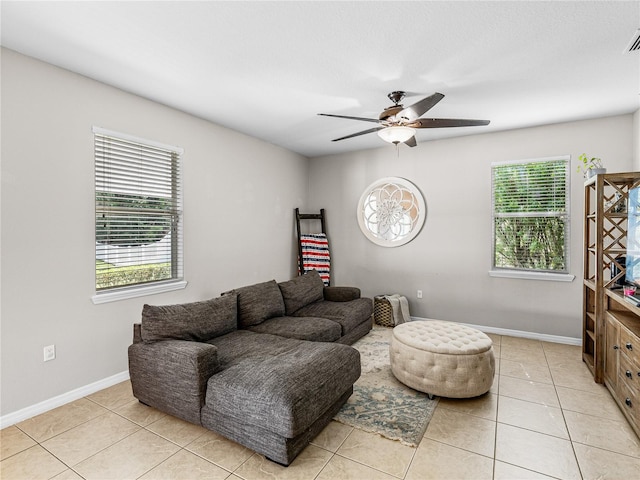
<point x="391" y="212"/>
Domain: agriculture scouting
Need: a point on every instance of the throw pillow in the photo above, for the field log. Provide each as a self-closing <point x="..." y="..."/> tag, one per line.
<point x="259" y="302"/>
<point x="301" y="291"/>
<point x="197" y="321"/>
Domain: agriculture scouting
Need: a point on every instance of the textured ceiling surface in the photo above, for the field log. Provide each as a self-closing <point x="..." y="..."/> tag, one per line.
<point x="267" y="68"/>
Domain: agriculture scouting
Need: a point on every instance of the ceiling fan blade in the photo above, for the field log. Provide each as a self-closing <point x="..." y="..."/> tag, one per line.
<point x="351" y="118"/>
<point x="420" y="108"/>
<point x="411" y="142"/>
<point x="447" y="122"/>
<point x="364" y="132"/>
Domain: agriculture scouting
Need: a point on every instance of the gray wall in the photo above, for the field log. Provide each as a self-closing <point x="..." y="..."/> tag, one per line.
<point x="450" y="259"/>
<point x="239" y="196"/>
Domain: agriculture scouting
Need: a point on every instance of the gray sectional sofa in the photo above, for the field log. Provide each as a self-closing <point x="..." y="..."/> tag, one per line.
<point x="263" y="365"/>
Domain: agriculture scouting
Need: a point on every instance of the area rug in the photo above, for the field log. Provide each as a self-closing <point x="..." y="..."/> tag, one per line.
<point x="380" y="403"/>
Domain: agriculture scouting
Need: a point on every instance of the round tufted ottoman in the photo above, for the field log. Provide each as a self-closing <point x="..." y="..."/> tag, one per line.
<point x="442" y="358"/>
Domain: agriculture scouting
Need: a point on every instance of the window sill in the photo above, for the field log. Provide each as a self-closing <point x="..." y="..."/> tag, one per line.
<point x="132" y="292"/>
<point x="552" y="277"/>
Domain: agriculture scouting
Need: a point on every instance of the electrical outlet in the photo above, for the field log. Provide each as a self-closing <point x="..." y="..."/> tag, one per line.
<point x="419" y="294"/>
<point x="49" y="353"/>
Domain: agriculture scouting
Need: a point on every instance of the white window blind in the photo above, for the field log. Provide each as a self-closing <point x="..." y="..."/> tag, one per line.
<point x="531" y="215"/>
<point x="138" y="201"/>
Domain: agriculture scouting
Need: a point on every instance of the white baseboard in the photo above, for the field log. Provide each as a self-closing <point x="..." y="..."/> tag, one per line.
<point x="519" y="333"/>
<point x="42" y="407"/>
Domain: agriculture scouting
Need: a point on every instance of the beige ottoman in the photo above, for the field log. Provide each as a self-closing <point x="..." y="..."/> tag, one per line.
<point x="442" y="358"/>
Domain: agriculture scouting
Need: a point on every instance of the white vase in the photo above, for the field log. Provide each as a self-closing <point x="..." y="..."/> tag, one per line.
<point x="595" y="171"/>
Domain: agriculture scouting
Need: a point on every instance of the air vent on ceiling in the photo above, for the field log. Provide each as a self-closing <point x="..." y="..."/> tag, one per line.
<point x="634" y="44"/>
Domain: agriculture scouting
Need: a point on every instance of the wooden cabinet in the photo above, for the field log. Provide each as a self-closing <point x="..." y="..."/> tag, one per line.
<point x="622" y="355"/>
<point x="605" y="234"/>
<point x="612" y="345"/>
<point x="611" y="324"/>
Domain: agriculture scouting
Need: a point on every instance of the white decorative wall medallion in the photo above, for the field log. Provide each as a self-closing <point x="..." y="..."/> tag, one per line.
<point x="391" y="212"/>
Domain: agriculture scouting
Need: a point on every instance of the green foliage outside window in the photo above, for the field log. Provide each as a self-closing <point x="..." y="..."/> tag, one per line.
<point x="130" y="220"/>
<point x="537" y="244"/>
<point x="108" y="275"/>
<point x="530" y="215"/>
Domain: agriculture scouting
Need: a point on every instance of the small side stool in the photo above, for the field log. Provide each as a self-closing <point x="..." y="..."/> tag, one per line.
<point x="442" y="358"/>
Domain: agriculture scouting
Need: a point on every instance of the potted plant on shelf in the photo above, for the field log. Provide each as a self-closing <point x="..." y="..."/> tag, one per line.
<point x="590" y="166"/>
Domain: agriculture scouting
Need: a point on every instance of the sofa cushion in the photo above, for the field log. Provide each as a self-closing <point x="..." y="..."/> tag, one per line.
<point x="196" y="321"/>
<point x="348" y="314"/>
<point x="258" y="302"/>
<point x="302" y="328"/>
<point x="301" y="291"/>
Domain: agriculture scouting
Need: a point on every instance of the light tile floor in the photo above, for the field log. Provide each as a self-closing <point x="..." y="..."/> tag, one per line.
<point x="543" y="418"/>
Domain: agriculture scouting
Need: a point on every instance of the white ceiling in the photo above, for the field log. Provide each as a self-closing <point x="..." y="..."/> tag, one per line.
<point x="267" y="68"/>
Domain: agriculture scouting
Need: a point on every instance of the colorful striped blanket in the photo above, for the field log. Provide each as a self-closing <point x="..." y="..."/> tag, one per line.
<point x="315" y="254"/>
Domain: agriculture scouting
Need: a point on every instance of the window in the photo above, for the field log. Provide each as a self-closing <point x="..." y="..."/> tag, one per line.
<point x="531" y="215"/>
<point x="138" y="202"/>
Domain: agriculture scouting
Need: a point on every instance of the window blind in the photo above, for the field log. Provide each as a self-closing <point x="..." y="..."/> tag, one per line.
<point x="531" y="215"/>
<point x="138" y="203"/>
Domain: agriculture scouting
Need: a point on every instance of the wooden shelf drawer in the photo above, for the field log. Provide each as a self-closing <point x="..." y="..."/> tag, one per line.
<point x="629" y="343"/>
<point x="630" y="373"/>
<point x="629" y="402"/>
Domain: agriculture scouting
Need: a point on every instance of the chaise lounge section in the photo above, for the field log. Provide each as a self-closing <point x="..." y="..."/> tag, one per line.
<point x="275" y="394"/>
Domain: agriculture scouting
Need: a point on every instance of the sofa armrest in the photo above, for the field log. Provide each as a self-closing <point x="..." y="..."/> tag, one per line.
<point x="172" y="375"/>
<point x="341" y="294"/>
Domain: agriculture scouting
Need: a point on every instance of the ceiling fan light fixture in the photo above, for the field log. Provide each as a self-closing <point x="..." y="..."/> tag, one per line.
<point x="396" y="134"/>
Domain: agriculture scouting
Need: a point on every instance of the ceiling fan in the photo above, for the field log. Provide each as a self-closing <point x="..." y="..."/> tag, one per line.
<point x="398" y="124"/>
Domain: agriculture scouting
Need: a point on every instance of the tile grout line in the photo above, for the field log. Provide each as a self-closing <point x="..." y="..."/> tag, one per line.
<point x="495" y="436"/>
<point x="64" y="431"/>
<point x="333" y="454"/>
<point x="415" y="451"/>
<point x="325" y="465"/>
<point x="564" y="418"/>
<point x="155" y="466"/>
<point x="69" y="467"/>
<point x="370" y="466"/>
<point x="142" y="427"/>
